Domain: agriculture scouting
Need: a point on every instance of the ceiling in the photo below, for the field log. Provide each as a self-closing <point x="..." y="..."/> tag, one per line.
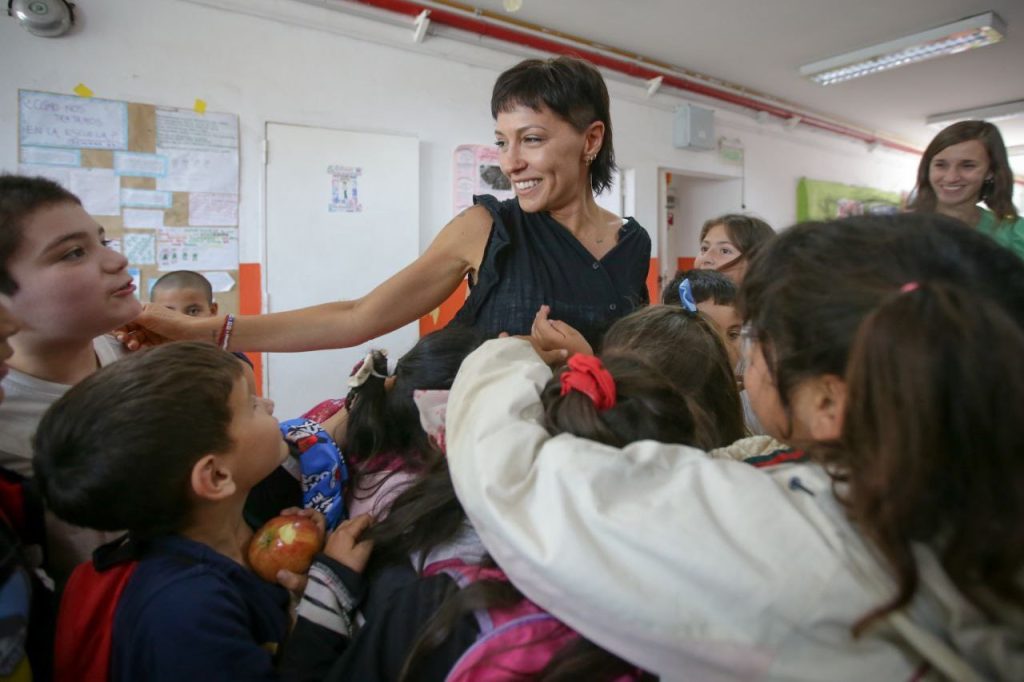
<point x="760" y="44"/>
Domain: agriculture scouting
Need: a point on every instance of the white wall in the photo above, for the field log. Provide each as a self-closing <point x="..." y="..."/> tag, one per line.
<point x="303" y="64"/>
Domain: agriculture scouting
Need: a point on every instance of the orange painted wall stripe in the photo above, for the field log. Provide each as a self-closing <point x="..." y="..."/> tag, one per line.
<point x="685" y="263"/>
<point x="654" y="281"/>
<point x="250" y="302"/>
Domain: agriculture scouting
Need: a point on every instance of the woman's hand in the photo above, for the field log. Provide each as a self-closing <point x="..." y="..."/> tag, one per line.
<point x="345" y="547"/>
<point x="548" y="335"/>
<point x="157" y="324"/>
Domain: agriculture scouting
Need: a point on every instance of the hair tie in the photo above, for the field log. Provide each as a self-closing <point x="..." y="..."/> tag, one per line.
<point x="364" y="369"/>
<point x="587" y="375"/>
<point x="909" y="286"/>
<point x="686" y="297"/>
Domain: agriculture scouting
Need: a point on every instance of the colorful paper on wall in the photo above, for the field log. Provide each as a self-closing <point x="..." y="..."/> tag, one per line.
<point x="820" y="200"/>
<point x="477" y="171"/>
<point x="197" y="248"/>
<point x="51" y="156"/>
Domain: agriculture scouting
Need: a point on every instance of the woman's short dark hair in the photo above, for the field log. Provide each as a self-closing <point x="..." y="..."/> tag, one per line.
<point x="116" y="451"/>
<point x="571" y="88"/>
<point x="997" y="194"/>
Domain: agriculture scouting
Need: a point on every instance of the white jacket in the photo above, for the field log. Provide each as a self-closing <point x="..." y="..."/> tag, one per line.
<point x="693" y="568"/>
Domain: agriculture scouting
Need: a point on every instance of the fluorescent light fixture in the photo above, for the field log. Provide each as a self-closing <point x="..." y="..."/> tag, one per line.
<point x="993" y="112"/>
<point x="977" y="31"/>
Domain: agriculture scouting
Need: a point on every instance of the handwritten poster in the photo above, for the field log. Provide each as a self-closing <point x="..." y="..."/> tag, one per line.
<point x="98" y="189"/>
<point x="210" y="209"/>
<point x="182" y="129"/>
<point x="136" y="164"/>
<point x="197" y="248"/>
<point x="49" y="120"/>
<point x="194" y="170"/>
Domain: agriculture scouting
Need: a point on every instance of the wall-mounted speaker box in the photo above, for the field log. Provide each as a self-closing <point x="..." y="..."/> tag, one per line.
<point x="694" y="128"/>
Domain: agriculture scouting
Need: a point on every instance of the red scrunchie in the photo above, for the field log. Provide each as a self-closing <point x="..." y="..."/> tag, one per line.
<point x="587" y="375"/>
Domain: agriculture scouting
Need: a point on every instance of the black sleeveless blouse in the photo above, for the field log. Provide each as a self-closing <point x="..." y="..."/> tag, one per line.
<point x="531" y="259"/>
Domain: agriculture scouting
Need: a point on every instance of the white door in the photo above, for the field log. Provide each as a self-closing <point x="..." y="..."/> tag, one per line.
<point x="342" y="217"/>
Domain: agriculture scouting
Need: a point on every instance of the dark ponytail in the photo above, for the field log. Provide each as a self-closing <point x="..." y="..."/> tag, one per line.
<point x="932" y="441"/>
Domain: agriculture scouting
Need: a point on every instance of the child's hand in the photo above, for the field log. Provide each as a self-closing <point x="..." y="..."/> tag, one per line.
<point x="311" y="514"/>
<point x="296" y="582"/>
<point x="550" y="357"/>
<point x="548" y="334"/>
<point x="344" y="545"/>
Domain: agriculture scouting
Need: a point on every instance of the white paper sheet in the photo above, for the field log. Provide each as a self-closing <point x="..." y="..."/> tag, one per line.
<point x="209" y="209"/>
<point x="48" y="120"/>
<point x="140" y="248"/>
<point x="137" y="164"/>
<point x="145" y="198"/>
<point x="184" y="129"/>
<point x="145" y="218"/>
<point x="197" y="248"/>
<point x="220" y="281"/>
<point x="51" y="157"/>
<point x="60" y="175"/>
<point x="192" y="170"/>
<point x="98" y="189"/>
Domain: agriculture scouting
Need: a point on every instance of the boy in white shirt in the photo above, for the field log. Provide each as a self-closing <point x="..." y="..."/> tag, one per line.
<point x="67" y="289"/>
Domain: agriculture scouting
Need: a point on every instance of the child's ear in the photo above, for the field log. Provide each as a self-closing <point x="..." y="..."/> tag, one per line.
<point x="828" y="404"/>
<point x="211" y="480"/>
<point x="213" y="308"/>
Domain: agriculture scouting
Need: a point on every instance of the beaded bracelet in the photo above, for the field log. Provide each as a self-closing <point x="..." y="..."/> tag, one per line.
<point x="224" y="338"/>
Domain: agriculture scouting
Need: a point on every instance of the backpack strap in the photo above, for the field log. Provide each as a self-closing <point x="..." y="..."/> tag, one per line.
<point x="85" y="622"/>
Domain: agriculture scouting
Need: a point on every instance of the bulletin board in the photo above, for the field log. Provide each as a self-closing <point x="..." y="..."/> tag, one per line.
<point x="162" y="181"/>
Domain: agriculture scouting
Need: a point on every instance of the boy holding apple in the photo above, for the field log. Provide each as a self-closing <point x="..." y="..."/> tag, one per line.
<point x="175" y="598"/>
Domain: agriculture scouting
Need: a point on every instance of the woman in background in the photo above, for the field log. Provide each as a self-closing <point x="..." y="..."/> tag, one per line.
<point x="963" y="166"/>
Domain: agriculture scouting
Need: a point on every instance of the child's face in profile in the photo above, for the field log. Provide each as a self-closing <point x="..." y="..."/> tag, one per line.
<point x="71" y="286"/>
<point x="258" y="447"/>
<point x="191" y="302"/>
<point x="729" y="324"/>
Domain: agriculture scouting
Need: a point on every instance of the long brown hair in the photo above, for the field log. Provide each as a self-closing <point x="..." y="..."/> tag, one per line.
<point x="689" y="350"/>
<point x="997" y="194"/>
<point x="805" y="298"/>
<point x="931" y="448"/>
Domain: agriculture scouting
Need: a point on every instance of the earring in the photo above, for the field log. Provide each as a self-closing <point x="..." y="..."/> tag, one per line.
<point x="589" y="158"/>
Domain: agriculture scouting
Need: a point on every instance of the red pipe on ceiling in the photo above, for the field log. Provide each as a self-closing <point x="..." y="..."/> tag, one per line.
<point x="522" y="37"/>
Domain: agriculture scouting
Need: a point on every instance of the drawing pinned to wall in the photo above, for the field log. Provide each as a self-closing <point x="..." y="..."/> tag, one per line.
<point x="140" y="247"/>
<point x="197" y="248"/>
<point x="477" y="171"/>
<point x="819" y="200"/>
<point x="344" y="189"/>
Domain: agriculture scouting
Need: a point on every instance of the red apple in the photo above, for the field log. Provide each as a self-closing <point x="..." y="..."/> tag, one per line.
<point x="288" y="542"/>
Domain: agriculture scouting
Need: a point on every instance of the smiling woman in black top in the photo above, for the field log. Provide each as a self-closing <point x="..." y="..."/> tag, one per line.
<point x="552" y="244"/>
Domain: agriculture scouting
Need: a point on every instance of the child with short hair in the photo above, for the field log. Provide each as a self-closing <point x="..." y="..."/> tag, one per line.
<point x="68" y="290"/>
<point x="186" y="292"/>
<point x="172" y="464"/>
<point x="715" y="296"/>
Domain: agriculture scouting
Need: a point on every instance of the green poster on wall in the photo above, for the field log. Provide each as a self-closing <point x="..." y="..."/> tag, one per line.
<point x="819" y="200"/>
